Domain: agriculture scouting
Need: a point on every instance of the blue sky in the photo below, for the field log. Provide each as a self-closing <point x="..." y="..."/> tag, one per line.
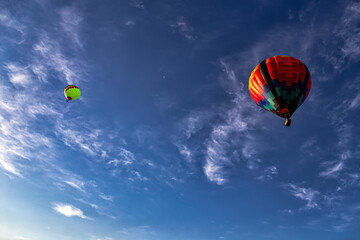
<point x="165" y="141"/>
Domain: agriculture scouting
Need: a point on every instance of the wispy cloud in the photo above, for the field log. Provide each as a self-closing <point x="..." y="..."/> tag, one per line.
<point x="129" y="22"/>
<point x="71" y="23"/>
<point x="269" y="173"/>
<point x="136" y="176"/>
<point x="95" y="206"/>
<point x="348" y="31"/>
<point x="310" y="147"/>
<point x="185" y="152"/>
<point x="182" y="27"/>
<point x="94" y="142"/>
<point x="9" y="166"/>
<point x="307" y="194"/>
<point x="69" y="210"/>
<point x="7" y="20"/>
<point x="106" y="197"/>
<point x="50" y="51"/>
<point x="138" y="4"/>
<point x="194" y="122"/>
<point x="79" y="185"/>
<point x="332" y="169"/>
<point x="340" y="113"/>
<point x="126" y="156"/>
<point x="18" y="142"/>
<point x="75" y="138"/>
<point x="18" y="76"/>
<point x="236" y="126"/>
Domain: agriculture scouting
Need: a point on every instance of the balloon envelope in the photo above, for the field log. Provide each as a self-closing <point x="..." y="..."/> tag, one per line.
<point x="280" y="85"/>
<point x="72" y="92"/>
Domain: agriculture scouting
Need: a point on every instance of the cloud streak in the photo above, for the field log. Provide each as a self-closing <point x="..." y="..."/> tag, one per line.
<point x="307" y="194"/>
<point x="7" y="20"/>
<point x="68" y="210"/>
<point x="70" y="23"/>
<point x="182" y="27"/>
<point x="238" y="122"/>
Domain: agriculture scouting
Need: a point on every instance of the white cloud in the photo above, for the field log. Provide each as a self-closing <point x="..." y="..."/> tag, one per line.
<point x="126" y="156"/>
<point x="90" y="204"/>
<point x="18" y="76"/>
<point x="52" y="57"/>
<point x="182" y="27"/>
<point x="75" y="138"/>
<point x="71" y="23"/>
<point x="214" y="171"/>
<point x="288" y="211"/>
<point x="9" y="166"/>
<point x="355" y="102"/>
<point x="68" y="210"/>
<point x="235" y="129"/>
<point x="79" y="185"/>
<point x="93" y="141"/>
<point x="307" y="194"/>
<point x="106" y="197"/>
<point x="7" y="20"/>
<point x="333" y="169"/>
<point x="348" y="31"/>
<point x="137" y="176"/>
<point x="185" y="152"/>
<point x="138" y="4"/>
<point x="129" y="22"/>
<point x="114" y="162"/>
<point x="269" y="172"/>
<point x="19" y="141"/>
<point x="40" y="72"/>
<point x="194" y="122"/>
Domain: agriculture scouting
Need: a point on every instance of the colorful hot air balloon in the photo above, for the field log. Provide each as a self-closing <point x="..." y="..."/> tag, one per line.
<point x="72" y="92"/>
<point x="280" y="85"/>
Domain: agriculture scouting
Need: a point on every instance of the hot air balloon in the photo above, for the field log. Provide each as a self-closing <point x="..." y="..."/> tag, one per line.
<point x="280" y="84"/>
<point x="72" y="92"/>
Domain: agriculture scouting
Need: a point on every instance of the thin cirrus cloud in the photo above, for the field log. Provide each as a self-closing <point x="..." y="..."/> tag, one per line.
<point x="18" y="76"/>
<point x="7" y="20"/>
<point x="106" y="197"/>
<point x="224" y="136"/>
<point x="309" y="195"/>
<point x="339" y="115"/>
<point x="71" y="22"/>
<point x="235" y="122"/>
<point x="333" y="169"/>
<point x="345" y="31"/>
<point x="68" y="210"/>
<point x="17" y="139"/>
<point x="50" y="55"/>
<point x="125" y="157"/>
<point x="138" y="4"/>
<point x="182" y="27"/>
<point x="79" y="185"/>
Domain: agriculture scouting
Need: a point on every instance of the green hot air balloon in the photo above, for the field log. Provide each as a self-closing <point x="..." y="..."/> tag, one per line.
<point x="72" y="92"/>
